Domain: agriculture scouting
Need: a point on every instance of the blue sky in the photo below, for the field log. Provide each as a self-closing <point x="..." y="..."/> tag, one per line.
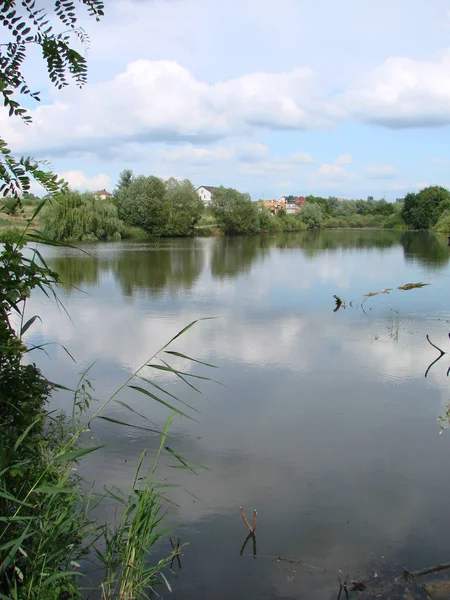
<point x="269" y="96"/>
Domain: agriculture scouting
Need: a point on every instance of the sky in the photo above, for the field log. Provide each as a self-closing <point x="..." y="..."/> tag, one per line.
<point x="272" y="97"/>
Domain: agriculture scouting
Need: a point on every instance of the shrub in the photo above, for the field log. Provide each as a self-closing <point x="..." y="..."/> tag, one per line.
<point x="443" y="225"/>
<point x="312" y="216"/>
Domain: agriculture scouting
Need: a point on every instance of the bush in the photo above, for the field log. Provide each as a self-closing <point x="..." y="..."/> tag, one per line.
<point x="83" y="217"/>
<point x="394" y="221"/>
<point x="133" y="233"/>
<point x="9" y="206"/>
<point x="312" y="216"/>
<point x="443" y="225"/>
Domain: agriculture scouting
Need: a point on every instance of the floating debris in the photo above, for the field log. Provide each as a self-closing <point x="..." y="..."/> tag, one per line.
<point x="339" y="303"/>
<point x="411" y="286"/>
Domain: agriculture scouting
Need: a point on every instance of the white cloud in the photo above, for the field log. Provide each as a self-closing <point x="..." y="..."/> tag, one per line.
<point x="380" y="171"/>
<point x="403" y="93"/>
<point x="333" y="172"/>
<point x="79" y="181"/>
<point x="343" y="159"/>
<point x="161" y="101"/>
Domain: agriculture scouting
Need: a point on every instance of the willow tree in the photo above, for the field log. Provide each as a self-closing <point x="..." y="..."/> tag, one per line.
<point x="77" y="216"/>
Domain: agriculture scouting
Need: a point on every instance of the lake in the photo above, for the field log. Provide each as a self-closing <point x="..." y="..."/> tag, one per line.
<point x="325" y="422"/>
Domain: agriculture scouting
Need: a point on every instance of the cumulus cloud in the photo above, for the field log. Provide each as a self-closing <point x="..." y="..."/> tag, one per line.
<point x="249" y="159"/>
<point x="380" y="171"/>
<point x="343" y="159"/>
<point x="162" y="101"/>
<point x="333" y="172"/>
<point x="79" y="181"/>
<point x="403" y="93"/>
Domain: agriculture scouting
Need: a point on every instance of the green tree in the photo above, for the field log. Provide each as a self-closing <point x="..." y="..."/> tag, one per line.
<point x="185" y="207"/>
<point x="142" y="203"/>
<point x="312" y="216"/>
<point x="422" y="210"/>
<point x="235" y="212"/>
<point x="125" y="178"/>
<point x="81" y="216"/>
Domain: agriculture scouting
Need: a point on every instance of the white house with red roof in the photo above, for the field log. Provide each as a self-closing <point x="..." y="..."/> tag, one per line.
<point x="103" y="195"/>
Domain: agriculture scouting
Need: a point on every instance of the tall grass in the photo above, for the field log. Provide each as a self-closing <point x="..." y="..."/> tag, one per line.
<point x="46" y="527"/>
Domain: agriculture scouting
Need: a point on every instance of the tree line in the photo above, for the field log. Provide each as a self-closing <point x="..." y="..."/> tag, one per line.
<point x="144" y="206"/>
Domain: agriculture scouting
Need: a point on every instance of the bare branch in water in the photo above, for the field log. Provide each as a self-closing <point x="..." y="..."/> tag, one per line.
<point x="410" y="574"/>
<point x="438" y="358"/>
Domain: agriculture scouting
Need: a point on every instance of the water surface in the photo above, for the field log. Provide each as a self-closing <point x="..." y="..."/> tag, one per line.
<point x="326" y="425"/>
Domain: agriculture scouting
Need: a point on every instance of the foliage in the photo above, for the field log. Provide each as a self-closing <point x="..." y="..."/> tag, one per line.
<point x="28" y="24"/>
<point x="443" y="225"/>
<point x="422" y="210"/>
<point x="141" y="203"/>
<point x="234" y="211"/>
<point x="81" y="216"/>
<point x="185" y="207"/>
<point x="394" y="221"/>
<point x="312" y="216"/>
<point x="125" y="178"/>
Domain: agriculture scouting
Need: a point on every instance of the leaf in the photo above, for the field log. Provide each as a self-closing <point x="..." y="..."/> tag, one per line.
<point x="28" y="324"/>
<point x="186" y="329"/>
<point x="75" y="454"/>
<point x="25" y="433"/>
<point x="128" y="407"/>
<point x="117" y="422"/>
<point x="60" y="575"/>
<point x="154" y="397"/>
<point x="49" y="489"/>
<point x="200" y="362"/>
<point x="165" y="581"/>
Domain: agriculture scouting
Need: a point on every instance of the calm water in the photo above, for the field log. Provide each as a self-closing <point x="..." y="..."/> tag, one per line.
<point x="326" y="425"/>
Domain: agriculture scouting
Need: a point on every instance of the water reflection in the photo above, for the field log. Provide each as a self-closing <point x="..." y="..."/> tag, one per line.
<point x="429" y="249"/>
<point x="159" y="270"/>
<point x="327" y="425"/>
<point x="177" y="266"/>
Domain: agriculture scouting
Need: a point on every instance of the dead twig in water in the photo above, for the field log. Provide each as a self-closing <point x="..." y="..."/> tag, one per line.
<point x="438" y="358"/>
<point x="176" y="552"/>
<point x="253" y="537"/>
<point x="255" y="515"/>
<point x="343" y="586"/>
<point x="410" y="574"/>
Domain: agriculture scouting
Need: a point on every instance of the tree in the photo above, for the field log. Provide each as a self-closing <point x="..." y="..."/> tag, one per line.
<point x="312" y="216"/>
<point x="185" y="207"/>
<point x="125" y="178"/>
<point x="422" y="210"/>
<point x="235" y="212"/>
<point x="77" y="216"/>
<point x="28" y="25"/>
<point x="142" y="204"/>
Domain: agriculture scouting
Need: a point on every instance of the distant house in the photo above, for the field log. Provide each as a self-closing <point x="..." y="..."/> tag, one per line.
<point x="205" y="193"/>
<point x="293" y="204"/>
<point x="103" y="195"/>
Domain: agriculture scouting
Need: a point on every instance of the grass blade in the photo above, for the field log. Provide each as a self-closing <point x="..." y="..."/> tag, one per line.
<point x="117" y="422"/>
<point x="180" y="355"/>
<point x="28" y="324"/>
<point x="154" y="397"/>
<point x="76" y="454"/>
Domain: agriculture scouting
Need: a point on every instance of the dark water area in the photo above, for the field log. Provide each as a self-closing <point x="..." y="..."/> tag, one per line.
<point x="325" y="422"/>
